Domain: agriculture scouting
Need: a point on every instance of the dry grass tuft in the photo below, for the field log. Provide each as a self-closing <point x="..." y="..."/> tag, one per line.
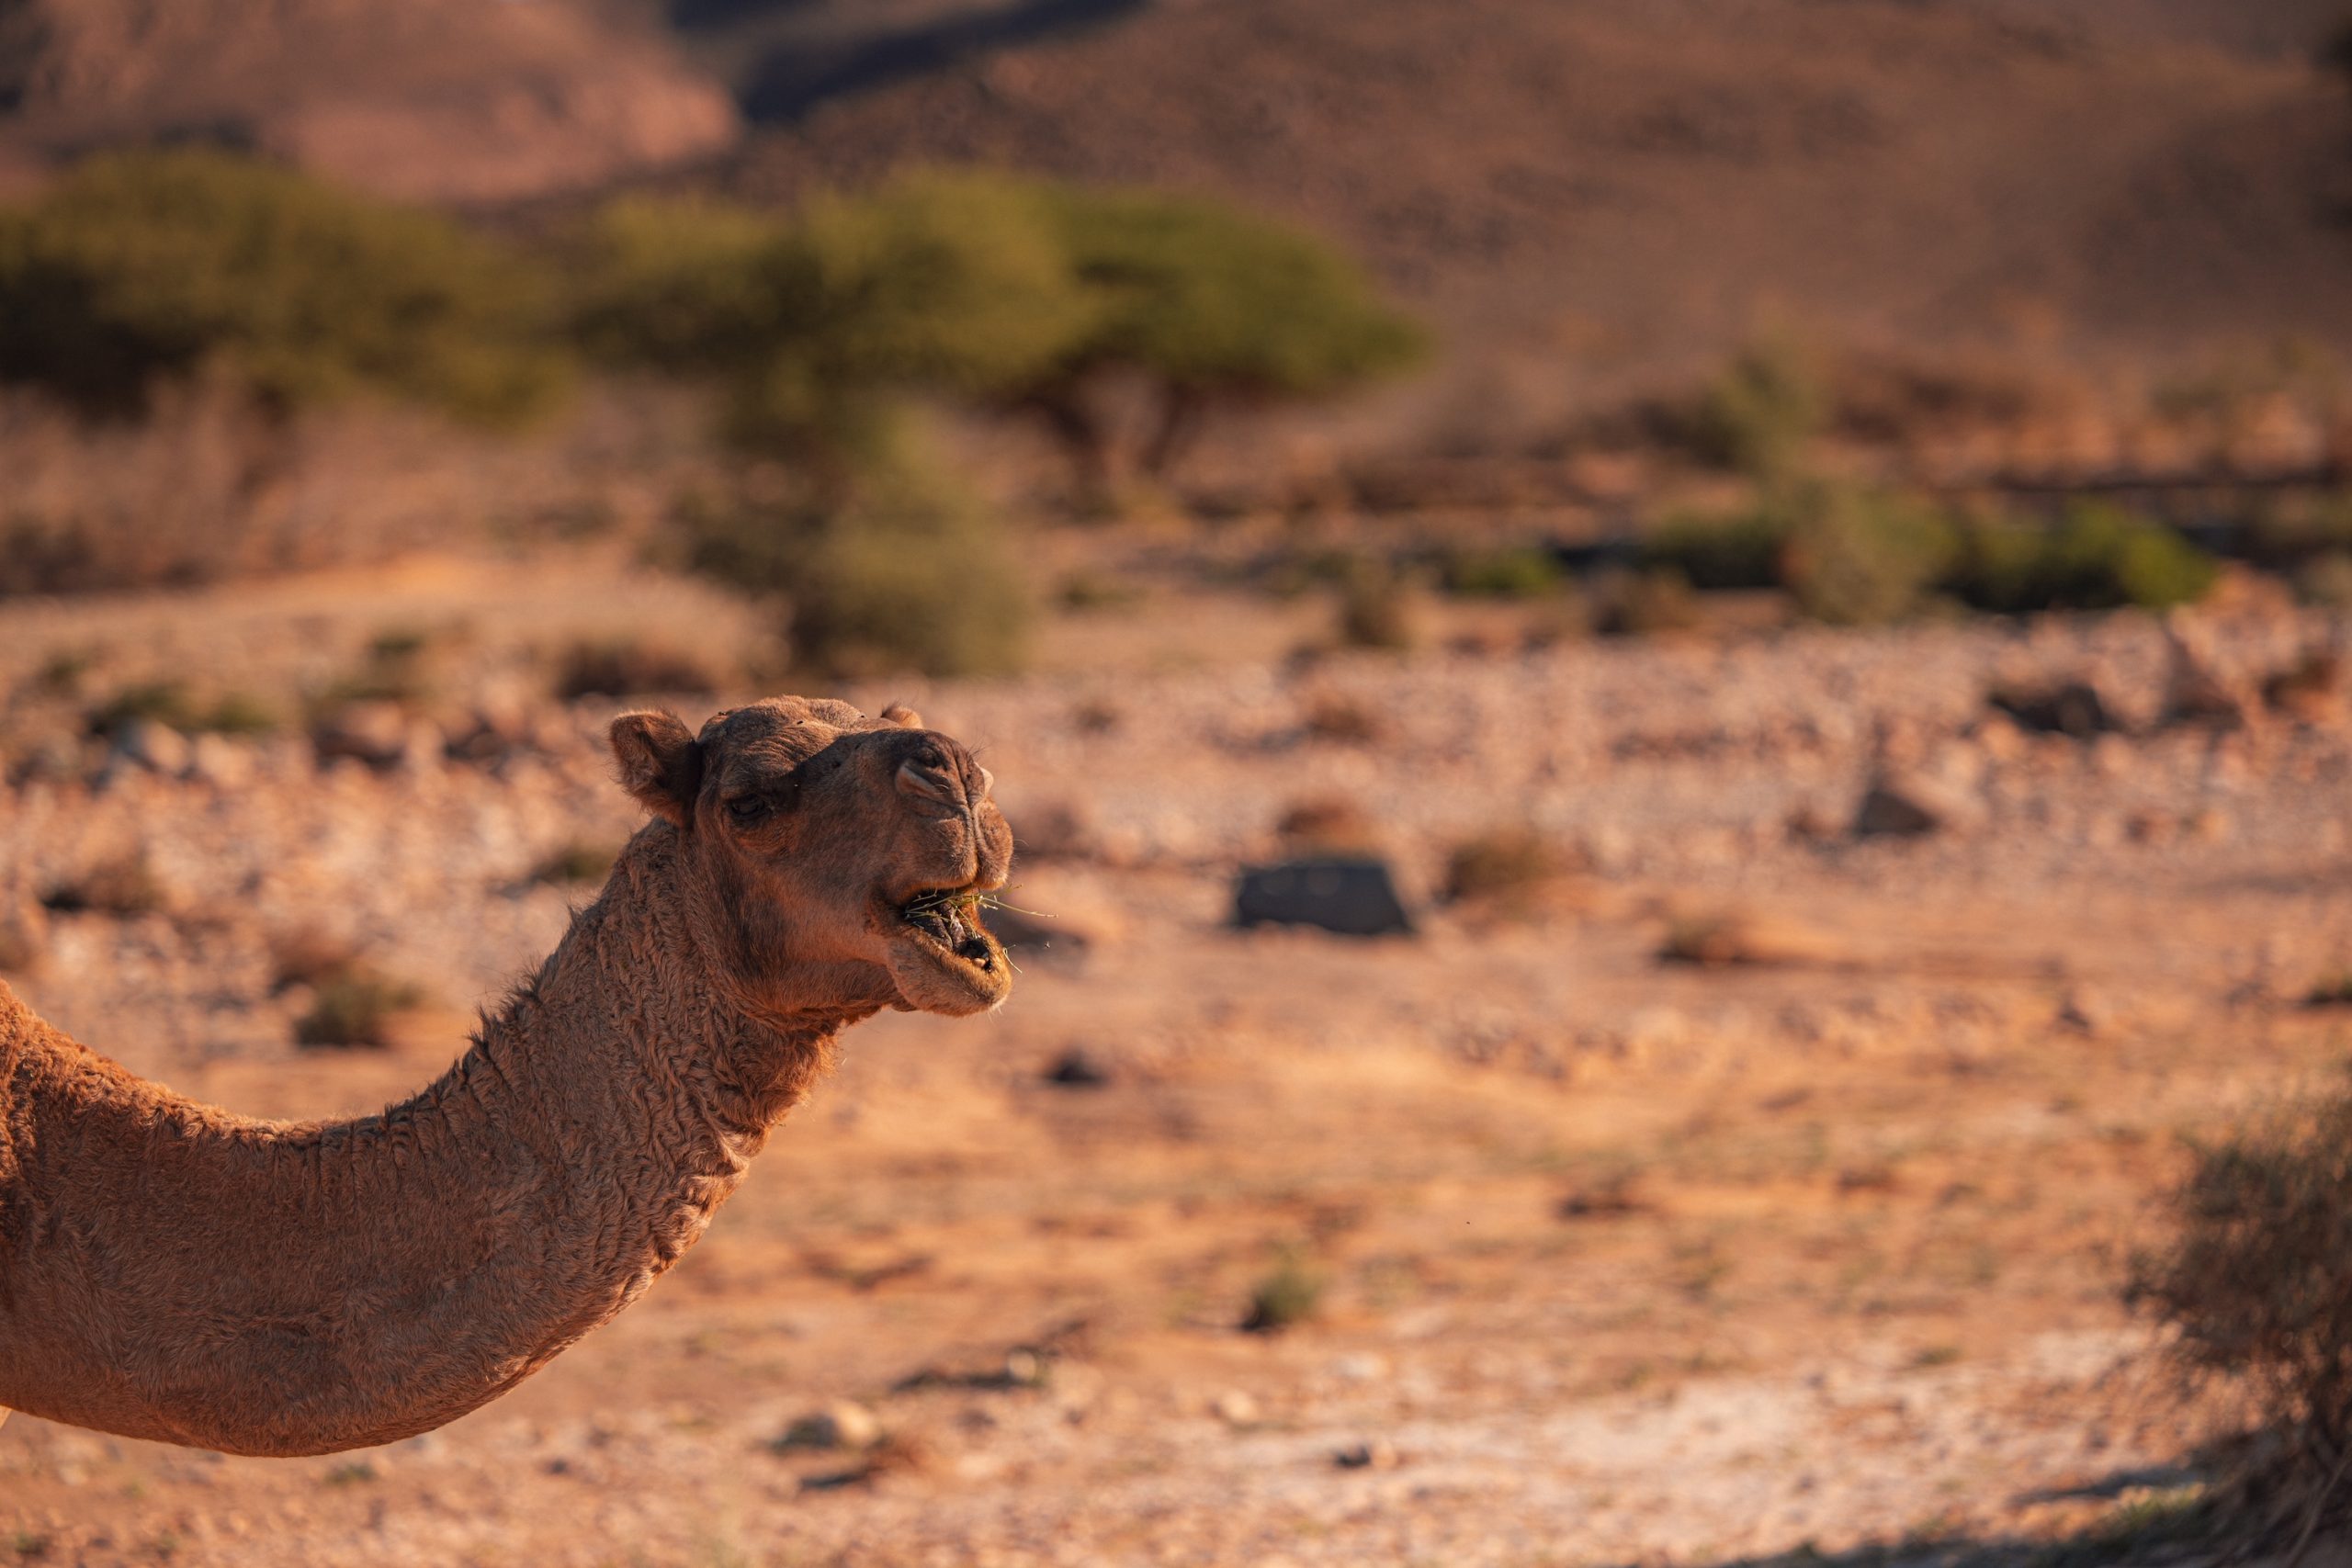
<point x="2258" y="1286"/>
<point x="354" y="1008"/>
<point x="1289" y="1295"/>
<point x="1328" y="825"/>
<point x="627" y="667"/>
<point x="1505" y="866"/>
<point x="576" y="861"/>
<point x="125" y="886"/>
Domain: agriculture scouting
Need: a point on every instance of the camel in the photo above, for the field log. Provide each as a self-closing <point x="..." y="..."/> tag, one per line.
<point x="172" y="1271"/>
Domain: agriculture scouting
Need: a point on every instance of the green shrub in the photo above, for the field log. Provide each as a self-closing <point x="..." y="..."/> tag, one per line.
<point x="1289" y="1295"/>
<point x="1637" y="604"/>
<point x="1856" y="557"/>
<point x="1526" y="573"/>
<point x="1756" y="415"/>
<point x="1377" y="609"/>
<point x="137" y="266"/>
<point x="169" y="703"/>
<point x="2096" y="558"/>
<point x="906" y="574"/>
<point x="1720" y="550"/>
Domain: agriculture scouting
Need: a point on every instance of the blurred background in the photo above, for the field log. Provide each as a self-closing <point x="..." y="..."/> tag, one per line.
<point x="1670" y="675"/>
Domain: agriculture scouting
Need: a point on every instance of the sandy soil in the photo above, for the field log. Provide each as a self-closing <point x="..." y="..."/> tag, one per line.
<point x="1621" y="1260"/>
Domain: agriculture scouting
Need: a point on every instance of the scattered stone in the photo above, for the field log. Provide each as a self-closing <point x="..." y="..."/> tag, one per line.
<point x="153" y="745"/>
<point x="1236" y="1409"/>
<point x="1352" y="896"/>
<point x="1376" y="1454"/>
<point x="1078" y="1068"/>
<point x="843" y="1424"/>
<point x="221" y="762"/>
<point x="1613" y="1199"/>
<point x="2070" y="708"/>
<point x="2308" y="691"/>
<point x="381" y="734"/>
<point x="1906" y="807"/>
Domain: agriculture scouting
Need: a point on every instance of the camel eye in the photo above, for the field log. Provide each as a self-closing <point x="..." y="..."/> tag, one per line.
<point x="755" y="807"/>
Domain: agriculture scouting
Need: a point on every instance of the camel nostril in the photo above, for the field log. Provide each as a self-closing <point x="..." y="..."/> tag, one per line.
<point x="929" y="782"/>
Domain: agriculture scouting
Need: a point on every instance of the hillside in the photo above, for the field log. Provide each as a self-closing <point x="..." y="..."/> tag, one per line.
<point x="434" y="99"/>
<point x="1618" y="187"/>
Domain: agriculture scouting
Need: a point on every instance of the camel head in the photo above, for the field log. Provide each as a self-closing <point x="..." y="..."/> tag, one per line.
<point x="835" y="854"/>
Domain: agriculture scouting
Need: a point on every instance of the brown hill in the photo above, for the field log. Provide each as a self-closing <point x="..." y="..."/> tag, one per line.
<point x="1618" y="186"/>
<point x="458" y="100"/>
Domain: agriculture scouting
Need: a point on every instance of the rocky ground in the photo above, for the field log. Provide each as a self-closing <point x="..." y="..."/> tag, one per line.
<point x="1748" y="1183"/>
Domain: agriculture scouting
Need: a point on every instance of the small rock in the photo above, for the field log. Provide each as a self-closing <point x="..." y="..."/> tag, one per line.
<point x="1078" y="1068"/>
<point x="376" y="733"/>
<point x="1236" y="1408"/>
<point x="155" y="746"/>
<point x="2070" y="708"/>
<point x="1352" y="896"/>
<point x="221" y="762"/>
<point x="1905" y="805"/>
<point x="843" y="1424"/>
<point x="1376" y="1454"/>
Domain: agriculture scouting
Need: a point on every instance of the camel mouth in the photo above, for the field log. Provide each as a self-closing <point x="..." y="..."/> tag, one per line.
<point x="943" y="958"/>
<point x="950" y="918"/>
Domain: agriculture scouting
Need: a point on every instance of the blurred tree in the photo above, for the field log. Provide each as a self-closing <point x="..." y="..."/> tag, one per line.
<point x="1213" y="307"/>
<point x="138" y="267"/>
<point x="1006" y="292"/>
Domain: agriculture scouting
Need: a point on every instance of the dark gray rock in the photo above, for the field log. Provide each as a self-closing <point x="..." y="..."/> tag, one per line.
<point x="1350" y="895"/>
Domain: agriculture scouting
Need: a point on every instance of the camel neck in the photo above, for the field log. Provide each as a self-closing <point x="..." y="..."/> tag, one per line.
<point x="267" y="1288"/>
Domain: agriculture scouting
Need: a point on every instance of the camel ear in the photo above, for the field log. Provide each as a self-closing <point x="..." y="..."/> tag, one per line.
<point x="902" y="716"/>
<point x="661" y="763"/>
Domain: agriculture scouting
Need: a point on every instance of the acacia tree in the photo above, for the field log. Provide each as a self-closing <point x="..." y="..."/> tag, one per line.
<point x="1212" y="309"/>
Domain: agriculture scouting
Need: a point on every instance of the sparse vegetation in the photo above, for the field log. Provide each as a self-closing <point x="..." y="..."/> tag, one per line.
<point x="1524" y="573"/>
<point x="353" y="1007"/>
<point x="1756" y="415"/>
<point x="1376" y="610"/>
<point x="909" y="575"/>
<point x="1859" y="556"/>
<point x="2259" y="1286"/>
<point x="2096" y="558"/>
<point x="628" y="667"/>
<point x="576" y="861"/>
<point x="170" y="703"/>
<point x="138" y="267"/>
<point x="1331" y="824"/>
<point x="1504" y="864"/>
<point x="125" y="885"/>
<point x="1288" y="1294"/>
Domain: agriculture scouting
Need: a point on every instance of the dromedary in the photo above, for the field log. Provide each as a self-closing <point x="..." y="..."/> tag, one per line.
<point x="170" y="1271"/>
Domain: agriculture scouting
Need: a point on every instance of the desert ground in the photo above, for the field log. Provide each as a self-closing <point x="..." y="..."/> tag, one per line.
<point x="1744" y="1188"/>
